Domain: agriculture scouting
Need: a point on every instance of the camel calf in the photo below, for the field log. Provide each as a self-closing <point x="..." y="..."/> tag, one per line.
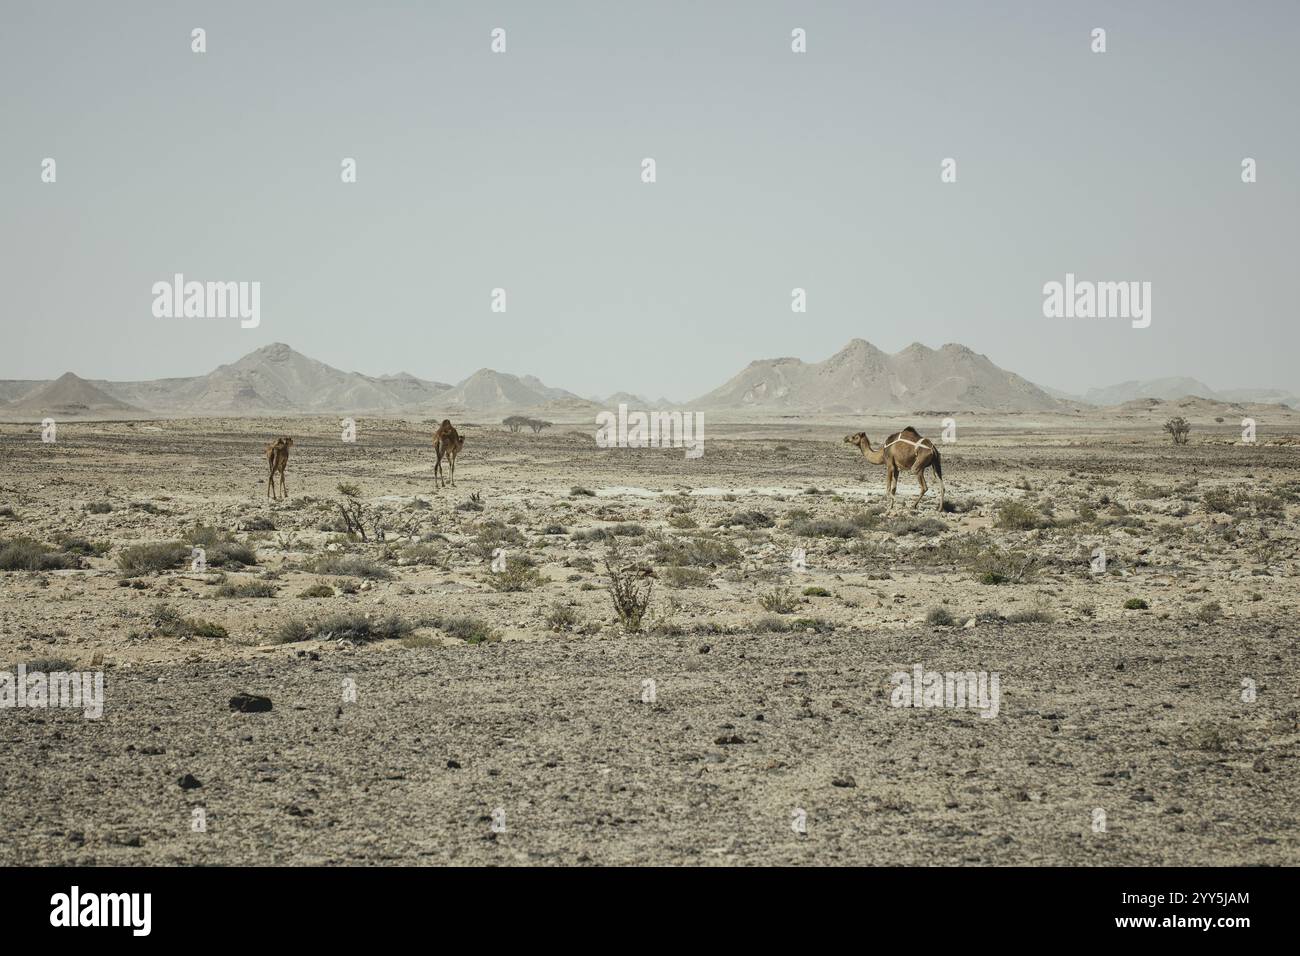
<point x="447" y="443"/>
<point x="905" y="449"/>
<point x="277" y="458"/>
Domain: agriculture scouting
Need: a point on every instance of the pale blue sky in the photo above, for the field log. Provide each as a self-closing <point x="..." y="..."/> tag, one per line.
<point x="775" y="170"/>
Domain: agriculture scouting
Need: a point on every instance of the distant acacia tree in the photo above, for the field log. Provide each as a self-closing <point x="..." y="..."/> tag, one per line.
<point x="537" y="425"/>
<point x="516" y="422"/>
<point x="1179" y="429"/>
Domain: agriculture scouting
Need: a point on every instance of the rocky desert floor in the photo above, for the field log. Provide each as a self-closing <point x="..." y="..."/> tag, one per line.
<point x="456" y="686"/>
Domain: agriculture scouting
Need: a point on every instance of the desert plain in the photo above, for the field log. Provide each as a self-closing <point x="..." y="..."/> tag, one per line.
<point x="456" y="685"/>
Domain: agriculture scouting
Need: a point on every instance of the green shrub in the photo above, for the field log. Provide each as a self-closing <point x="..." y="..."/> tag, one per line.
<point x="1136" y="604"/>
<point x="629" y="588"/>
<point x="746" y="519"/>
<point x="519" y="574"/>
<point x="246" y="589"/>
<point x="1036" y="615"/>
<point x="779" y="601"/>
<point x="939" y="617"/>
<point x="24" y="554"/>
<point x="169" y="622"/>
<point x="471" y="630"/>
<point x="676" y="576"/>
<point x="349" y="626"/>
<point x="1209" y="612"/>
<point x="1018" y="516"/>
<point x="350" y="565"/>
<point x="695" y="551"/>
<point x="154" y="558"/>
<point x="561" y="617"/>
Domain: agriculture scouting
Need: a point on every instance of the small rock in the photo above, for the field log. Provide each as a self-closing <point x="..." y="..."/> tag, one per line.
<point x="189" y="782"/>
<point x="844" y="781"/>
<point x="247" y="703"/>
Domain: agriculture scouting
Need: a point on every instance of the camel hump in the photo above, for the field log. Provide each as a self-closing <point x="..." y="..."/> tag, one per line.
<point x="910" y="431"/>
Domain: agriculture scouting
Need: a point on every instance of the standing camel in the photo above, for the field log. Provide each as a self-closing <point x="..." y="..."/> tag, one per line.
<point x="905" y="449"/>
<point x="277" y="458"/>
<point x="447" y="443"/>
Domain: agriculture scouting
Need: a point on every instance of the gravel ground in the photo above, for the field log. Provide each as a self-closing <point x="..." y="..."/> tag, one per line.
<point x="1145" y="723"/>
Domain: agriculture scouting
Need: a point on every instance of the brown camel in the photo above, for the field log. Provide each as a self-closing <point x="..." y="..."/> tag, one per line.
<point x="277" y="457"/>
<point x="447" y="443"/>
<point x="905" y="449"/>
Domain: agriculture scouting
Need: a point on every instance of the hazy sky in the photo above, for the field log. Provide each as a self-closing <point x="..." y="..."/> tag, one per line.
<point x="775" y="170"/>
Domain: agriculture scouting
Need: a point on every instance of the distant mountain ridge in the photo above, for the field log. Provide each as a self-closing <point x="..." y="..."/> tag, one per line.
<point x="1171" y="389"/>
<point x="860" y="378"/>
<point x="277" y="380"/>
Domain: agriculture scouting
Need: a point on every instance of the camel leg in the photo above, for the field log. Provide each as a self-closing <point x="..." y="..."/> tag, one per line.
<point x="920" y="476"/>
<point x="891" y="484"/>
<point x="452" y="459"/>
<point x="437" y="469"/>
<point x="283" y="493"/>
<point x="939" y="481"/>
<point x="270" y="484"/>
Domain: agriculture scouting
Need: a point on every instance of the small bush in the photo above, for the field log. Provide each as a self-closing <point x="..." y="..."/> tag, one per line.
<point x="83" y="546"/>
<point x="1036" y="615"/>
<point x="1136" y="604"/>
<point x="1209" y="612"/>
<point x="247" y="589"/>
<point x="939" y="617"/>
<point x="351" y="565"/>
<point x="561" y="617"/>
<point x="519" y="574"/>
<point x="577" y="491"/>
<point x="696" y="551"/>
<point x="49" y="665"/>
<point x="471" y="630"/>
<point x="629" y="588"/>
<point x="816" y="592"/>
<point x="621" y="530"/>
<point x="492" y="535"/>
<point x="682" y="577"/>
<point x="154" y="558"/>
<point x="779" y="601"/>
<point x="99" y="507"/>
<point x="24" y="554"/>
<point x="1018" y="516"/>
<point x="746" y="519"/>
<point x="927" y="527"/>
<point x="318" y="590"/>
<point x="168" y="622"/>
<point x="351" y="626"/>
<point x="1179" y="429"/>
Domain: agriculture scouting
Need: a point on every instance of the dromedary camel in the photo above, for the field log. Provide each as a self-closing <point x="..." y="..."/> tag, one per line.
<point x="277" y="457"/>
<point x="447" y="443"/>
<point x="905" y="449"/>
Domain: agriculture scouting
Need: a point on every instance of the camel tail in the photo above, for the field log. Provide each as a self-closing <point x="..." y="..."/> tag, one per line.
<point x="938" y="465"/>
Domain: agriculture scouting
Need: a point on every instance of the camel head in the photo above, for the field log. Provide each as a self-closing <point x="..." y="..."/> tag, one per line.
<point x="858" y="439"/>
